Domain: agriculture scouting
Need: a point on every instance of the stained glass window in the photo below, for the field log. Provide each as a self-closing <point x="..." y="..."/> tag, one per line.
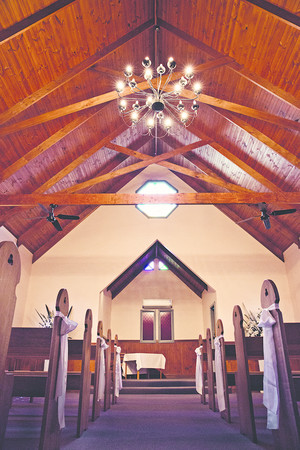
<point x="166" y="325"/>
<point x="148" y="326"/>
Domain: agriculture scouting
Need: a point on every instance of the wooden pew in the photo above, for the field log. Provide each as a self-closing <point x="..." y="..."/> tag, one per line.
<point x="41" y="343"/>
<point x="10" y="271"/>
<point x="203" y="357"/>
<point x="108" y="374"/>
<point x="287" y="437"/>
<point x="220" y="332"/>
<point x="96" y="401"/>
<point x="210" y="372"/>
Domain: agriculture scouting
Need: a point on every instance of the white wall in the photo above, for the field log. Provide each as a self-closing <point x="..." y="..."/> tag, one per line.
<point x="22" y="288"/>
<point x="187" y="306"/>
<point x="292" y="264"/>
<point x="222" y="254"/>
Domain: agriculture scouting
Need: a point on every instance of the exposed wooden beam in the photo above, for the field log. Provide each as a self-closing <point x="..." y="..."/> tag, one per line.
<point x="244" y="110"/>
<point x="32" y="20"/>
<point x="282" y="14"/>
<point x="237" y="161"/>
<point x="42" y="147"/>
<point x="286" y="154"/>
<point x="134" y="199"/>
<point x="235" y="67"/>
<point x="67" y="169"/>
<point x="136" y="166"/>
<point x="208" y="177"/>
<point x="79" y="106"/>
<point x="70" y="74"/>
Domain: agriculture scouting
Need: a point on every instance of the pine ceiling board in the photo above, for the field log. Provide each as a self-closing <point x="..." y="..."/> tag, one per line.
<point x="248" y="149"/>
<point x="256" y="39"/>
<point x="14" y="11"/>
<point x="64" y="40"/>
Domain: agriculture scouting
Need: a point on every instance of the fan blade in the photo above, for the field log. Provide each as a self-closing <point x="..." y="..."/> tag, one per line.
<point x="44" y="208"/>
<point x="66" y="216"/>
<point x="56" y="224"/>
<point x="246" y="220"/>
<point x="281" y="212"/>
<point x="267" y="223"/>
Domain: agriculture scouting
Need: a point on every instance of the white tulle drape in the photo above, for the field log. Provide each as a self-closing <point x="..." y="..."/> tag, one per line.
<point x="219" y="374"/>
<point x="67" y="326"/>
<point x="118" y="374"/>
<point x="199" y="370"/>
<point x="101" y="386"/>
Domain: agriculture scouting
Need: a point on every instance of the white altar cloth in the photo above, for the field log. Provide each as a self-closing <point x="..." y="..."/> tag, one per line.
<point x="137" y="361"/>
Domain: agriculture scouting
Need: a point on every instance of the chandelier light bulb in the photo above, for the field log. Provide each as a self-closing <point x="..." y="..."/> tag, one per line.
<point x="160" y="116"/>
<point x="132" y="83"/>
<point x="171" y="63"/>
<point x="184" y="117"/>
<point x="128" y="71"/>
<point x="120" y="86"/>
<point x="134" y="117"/>
<point x="180" y="106"/>
<point x="177" y="88"/>
<point x="168" y="123"/>
<point x="197" y="88"/>
<point x="136" y="105"/>
<point x="195" y="106"/>
<point x="189" y="72"/>
<point x="150" y="123"/>
<point x="146" y="62"/>
<point x="183" y="82"/>
<point x="149" y="101"/>
<point x="148" y="74"/>
<point x="122" y="105"/>
<point x="161" y="69"/>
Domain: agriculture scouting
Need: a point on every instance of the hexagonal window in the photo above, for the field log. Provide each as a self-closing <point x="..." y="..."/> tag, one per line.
<point x="162" y="210"/>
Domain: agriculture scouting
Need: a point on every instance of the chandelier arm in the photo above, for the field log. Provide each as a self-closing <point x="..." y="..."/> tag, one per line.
<point x="167" y="80"/>
<point x="152" y="87"/>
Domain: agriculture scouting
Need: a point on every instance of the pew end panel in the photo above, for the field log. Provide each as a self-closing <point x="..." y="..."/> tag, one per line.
<point x="220" y="332"/>
<point x="288" y="434"/>
<point x="244" y="397"/>
<point x="96" y="400"/>
<point x="85" y="377"/>
<point x="50" y="431"/>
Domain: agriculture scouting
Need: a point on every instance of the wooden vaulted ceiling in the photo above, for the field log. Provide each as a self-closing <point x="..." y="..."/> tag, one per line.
<point x="62" y="140"/>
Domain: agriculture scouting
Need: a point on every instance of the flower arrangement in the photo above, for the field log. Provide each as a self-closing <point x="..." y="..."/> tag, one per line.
<point x="47" y="319"/>
<point x="251" y="322"/>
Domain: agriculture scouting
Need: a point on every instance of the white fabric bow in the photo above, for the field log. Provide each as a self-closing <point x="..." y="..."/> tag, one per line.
<point x="219" y="374"/>
<point x="118" y="373"/>
<point x="101" y="385"/>
<point x="271" y="398"/>
<point x="67" y="325"/>
<point x="199" y="369"/>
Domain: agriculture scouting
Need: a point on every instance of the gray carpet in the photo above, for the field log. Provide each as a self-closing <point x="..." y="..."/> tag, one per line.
<point x="140" y="422"/>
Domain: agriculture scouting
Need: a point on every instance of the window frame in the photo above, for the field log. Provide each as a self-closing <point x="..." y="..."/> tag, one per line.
<point x="141" y="326"/>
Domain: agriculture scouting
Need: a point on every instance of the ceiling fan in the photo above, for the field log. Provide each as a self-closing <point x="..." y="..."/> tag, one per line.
<point x="52" y="218"/>
<point x="265" y="215"/>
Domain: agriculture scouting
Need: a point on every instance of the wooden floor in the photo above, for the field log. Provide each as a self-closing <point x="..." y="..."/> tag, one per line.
<point x="140" y="421"/>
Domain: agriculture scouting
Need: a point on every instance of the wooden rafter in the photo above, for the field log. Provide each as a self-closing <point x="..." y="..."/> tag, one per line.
<point x="32" y="20"/>
<point x="69" y="75"/>
<point x="134" y="199"/>
<point x="136" y="166"/>
<point x="235" y="67"/>
<point x="282" y="14"/>
<point x="286" y="154"/>
<point x="237" y="161"/>
<point x="208" y="177"/>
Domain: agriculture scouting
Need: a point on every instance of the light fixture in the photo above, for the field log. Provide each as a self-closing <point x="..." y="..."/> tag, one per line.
<point x="161" y="103"/>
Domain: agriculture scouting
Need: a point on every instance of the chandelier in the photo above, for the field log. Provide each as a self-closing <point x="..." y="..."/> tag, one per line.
<point x="160" y="103"/>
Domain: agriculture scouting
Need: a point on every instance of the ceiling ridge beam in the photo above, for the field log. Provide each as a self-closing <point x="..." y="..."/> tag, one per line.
<point x="282" y="14"/>
<point x="134" y="199"/>
<point x="237" y="161"/>
<point x="72" y="73"/>
<point x="209" y="178"/>
<point x="277" y="148"/>
<point x="136" y="166"/>
<point x="234" y="66"/>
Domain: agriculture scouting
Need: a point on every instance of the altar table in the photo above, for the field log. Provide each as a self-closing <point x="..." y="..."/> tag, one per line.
<point x="136" y="362"/>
